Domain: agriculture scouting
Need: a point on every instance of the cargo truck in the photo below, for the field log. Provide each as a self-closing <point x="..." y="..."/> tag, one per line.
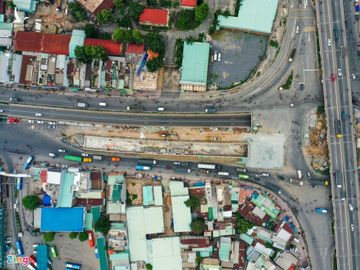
<point x="321" y="210"/>
<point x="28" y="162"/>
<point x="182" y="170"/>
<point x="81" y="105"/>
<point x="147" y="161"/>
<point x="143" y="168"/>
<point x="73" y="158"/>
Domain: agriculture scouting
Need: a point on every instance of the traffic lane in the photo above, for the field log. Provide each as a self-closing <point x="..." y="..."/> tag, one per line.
<point x="342" y="252"/>
<point x="132" y="119"/>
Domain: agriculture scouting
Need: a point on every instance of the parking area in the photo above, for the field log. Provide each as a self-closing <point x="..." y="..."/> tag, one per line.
<point x="234" y="56"/>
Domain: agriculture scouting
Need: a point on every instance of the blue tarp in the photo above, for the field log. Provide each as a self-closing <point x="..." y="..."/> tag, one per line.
<point x="62" y="219"/>
<point x="357" y="7"/>
<point x="46" y="200"/>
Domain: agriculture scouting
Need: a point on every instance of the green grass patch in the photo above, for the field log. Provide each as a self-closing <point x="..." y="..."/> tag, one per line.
<point x="287" y="84"/>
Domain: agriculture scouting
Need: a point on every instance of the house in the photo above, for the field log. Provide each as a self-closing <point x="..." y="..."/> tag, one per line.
<point x="26" y="5"/>
<point x="154" y="17"/>
<point x="188" y="4"/>
<point x="96" y="6"/>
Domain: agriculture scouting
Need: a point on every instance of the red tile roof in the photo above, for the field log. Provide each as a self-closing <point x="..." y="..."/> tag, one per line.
<point x="44" y="43"/>
<point x="135" y="48"/>
<point x="188" y="3"/>
<point x="112" y="47"/>
<point x="43" y="176"/>
<point x="106" y="4"/>
<point x="155" y="17"/>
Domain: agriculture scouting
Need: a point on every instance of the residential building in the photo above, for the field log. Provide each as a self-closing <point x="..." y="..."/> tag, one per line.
<point x="181" y="213"/>
<point x="96" y="6"/>
<point x="154" y="17"/>
<point x="188" y="4"/>
<point x="26" y="5"/>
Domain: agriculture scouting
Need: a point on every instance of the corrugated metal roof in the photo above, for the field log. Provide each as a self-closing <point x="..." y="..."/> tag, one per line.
<point x="45" y="43"/>
<point x="158" y="197"/>
<point x="77" y="39"/>
<point x="181" y="214"/>
<point x="188" y="3"/>
<point x="102" y="253"/>
<point x="112" y="47"/>
<point x="225" y="247"/>
<point x="148" y="197"/>
<point x="177" y="188"/>
<point x="62" y="219"/>
<point x="96" y="213"/>
<point x="26" y="5"/>
<point x="66" y="192"/>
<point x="195" y="63"/>
<point x="88" y="221"/>
<point x="165" y="253"/>
<point x="135" y="48"/>
<point x="254" y="15"/>
<point x="155" y="16"/>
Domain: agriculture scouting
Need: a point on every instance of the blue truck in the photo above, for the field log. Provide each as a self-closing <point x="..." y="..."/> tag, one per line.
<point x="19" y="183"/>
<point x="321" y="210"/>
<point x="19" y="248"/>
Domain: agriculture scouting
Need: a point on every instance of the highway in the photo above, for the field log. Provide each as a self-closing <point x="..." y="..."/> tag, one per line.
<point x="159" y="119"/>
<point x="338" y="103"/>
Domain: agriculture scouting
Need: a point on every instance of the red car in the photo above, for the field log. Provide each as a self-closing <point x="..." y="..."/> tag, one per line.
<point x="91" y="239"/>
<point x="333" y="77"/>
<point x="14" y="120"/>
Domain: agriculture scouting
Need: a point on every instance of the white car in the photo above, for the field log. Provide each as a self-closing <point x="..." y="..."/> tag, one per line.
<point x="265" y="174"/>
<point x="40" y="122"/>
<point x="352" y="227"/>
<point x="351" y="207"/>
<point x="84" y="154"/>
<point x="160" y="109"/>
<point x="38" y="114"/>
<point x="219" y="57"/>
<point x="339" y="72"/>
<point x="297" y="29"/>
<point x="52" y="123"/>
<point x="31" y="121"/>
<point x="353" y="76"/>
<point x="329" y="42"/>
<point x="61" y="150"/>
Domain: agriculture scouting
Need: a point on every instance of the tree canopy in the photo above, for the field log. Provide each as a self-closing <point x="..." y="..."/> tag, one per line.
<point x="201" y="12"/>
<point x="73" y="235"/>
<point x="49" y="236"/>
<point x="88" y="53"/>
<point x="103" y="225"/>
<point x="197" y="226"/>
<point x="104" y="16"/>
<point x="193" y="202"/>
<point x="134" y="10"/>
<point x="77" y="11"/>
<point x="30" y="202"/>
<point x="83" y="236"/>
<point x="241" y="224"/>
<point x="91" y="31"/>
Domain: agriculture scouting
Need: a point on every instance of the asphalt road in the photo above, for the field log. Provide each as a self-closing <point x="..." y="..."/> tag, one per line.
<point x="159" y="119"/>
<point x="338" y="103"/>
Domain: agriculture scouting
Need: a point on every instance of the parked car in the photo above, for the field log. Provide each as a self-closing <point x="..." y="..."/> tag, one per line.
<point x="115" y="159"/>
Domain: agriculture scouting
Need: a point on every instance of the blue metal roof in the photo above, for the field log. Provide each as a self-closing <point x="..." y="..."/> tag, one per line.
<point x="62" y="219"/>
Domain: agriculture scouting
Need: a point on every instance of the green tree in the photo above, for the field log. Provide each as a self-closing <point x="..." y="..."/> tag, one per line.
<point x="197" y="226"/>
<point x="154" y="64"/>
<point x="119" y="4"/>
<point x="122" y="35"/>
<point x="320" y="109"/>
<point x="81" y="55"/>
<point x="83" y="236"/>
<point x="134" y="10"/>
<point x="241" y="224"/>
<point x="148" y="266"/>
<point x="91" y="31"/>
<point x="30" y="202"/>
<point x="193" y="202"/>
<point x="155" y="42"/>
<point x="201" y="12"/>
<point x="103" y="225"/>
<point x="179" y="48"/>
<point x="77" y="11"/>
<point x="104" y="16"/>
<point x="49" y="236"/>
<point x="137" y="37"/>
<point x="10" y="4"/>
<point x="88" y="53"/>
<point x="73" y="235"/>
<point x="185" y="20"/>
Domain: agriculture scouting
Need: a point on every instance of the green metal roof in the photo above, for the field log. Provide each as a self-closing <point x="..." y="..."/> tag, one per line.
<point x="116" y="193"/>
<point x="117" y="226"/>
<point x="77" y="39"/>
<point x="246" y="238"/>
<point x="88" y="221"/>
<point x="211" y="213"/>
<point x="95" y="213"/>
<point x="195" y="63"/>
<point x="66" y="192"/>
<point x="148" y="197"/>
<point x="254" y="16"/>
<point x="102" y="253"/>
<point x="266" y="204"/>
<point x="115" y="179"/>
<point x="225" y="247"/>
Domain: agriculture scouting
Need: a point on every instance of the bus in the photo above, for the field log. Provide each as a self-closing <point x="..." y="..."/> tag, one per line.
<point x="243" y="176"/>
<point x="28" y="162"/>
<point x="91" y="239"/>
<point x="207" y="166"/>
<point x="53" y="252"/>
<point x="19" y="248"/>
<point x="147" y="161"/>
<point x="143" y="168"/>
<point x="73" y="265"/>
<point x="19" y="183"/>
<point x="73" y="158"/>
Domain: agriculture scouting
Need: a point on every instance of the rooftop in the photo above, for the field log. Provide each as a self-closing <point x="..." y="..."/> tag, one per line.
<point x="254" y="16"/>
<point x="77" y="39"/>
<point x="100" y="241"/>
<point x="188" y="3"/>
<point x="152" y="16"/>
<point x="111" y="47"/>
<point x="26" y="5"/>
<point x="195" y="63"/>
<point x="165" y="253"/>
<point x="62" y="219"/>
<point x="95" y="6"/>
<point x="42" y="257"/>
<point x="181" y="213"/>
<point x="135" y="48"/>
<point x="66" y="191"/>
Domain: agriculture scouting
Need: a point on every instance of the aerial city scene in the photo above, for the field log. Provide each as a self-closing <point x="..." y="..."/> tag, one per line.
<point x="179" y="134"/>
